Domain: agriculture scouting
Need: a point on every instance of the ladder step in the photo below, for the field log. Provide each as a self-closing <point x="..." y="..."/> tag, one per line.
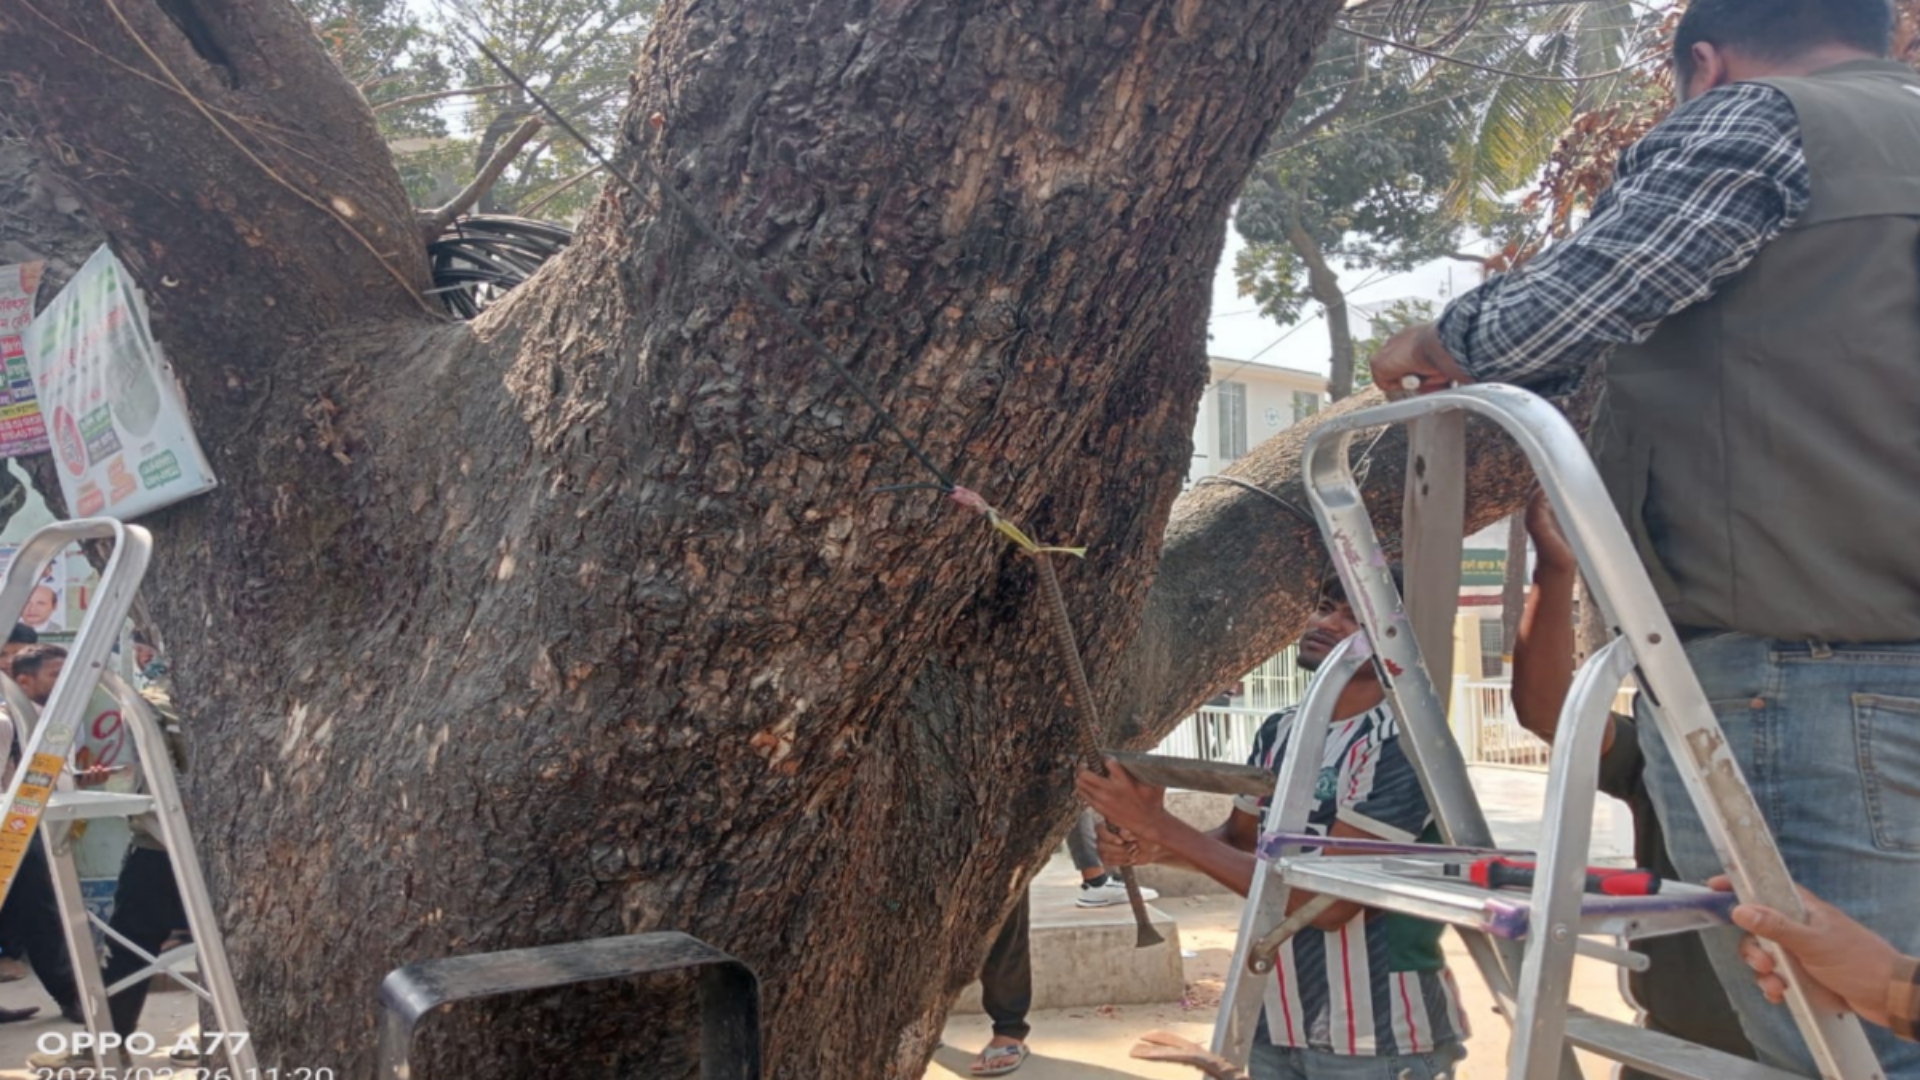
<point x="1374" y="883"/>
<point x="93" y="805"/>
<point x="1662" y="1055"/>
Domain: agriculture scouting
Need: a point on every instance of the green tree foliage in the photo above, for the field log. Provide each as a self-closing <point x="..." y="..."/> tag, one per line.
<point x="1580" y="57"/>
<point x="1392" y="158"/>
<point x="390" y="56"/>
<point x="446" y="110"/>
<point x="1383" y="324"/>
<point x="579" y="54"/>
<point x="1365" y="190"/>
<point x="1360" y="184"/>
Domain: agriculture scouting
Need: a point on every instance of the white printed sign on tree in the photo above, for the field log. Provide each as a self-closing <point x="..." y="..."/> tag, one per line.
<point x="115" y="415"/>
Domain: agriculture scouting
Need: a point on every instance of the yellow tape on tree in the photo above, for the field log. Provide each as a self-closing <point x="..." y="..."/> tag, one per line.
<point x="972" y="501"/>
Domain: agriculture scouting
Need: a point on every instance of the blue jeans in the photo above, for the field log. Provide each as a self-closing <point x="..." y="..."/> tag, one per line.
<point x="1270" y="1062"/>
<point x="1829" y="739"/>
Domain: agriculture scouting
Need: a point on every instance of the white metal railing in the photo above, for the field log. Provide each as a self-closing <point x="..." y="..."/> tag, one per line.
<point x="1216" y="734"/>
<point x="1484" y="724"/>
<point x="1482" y="719"/>
<point x="1225" y="732"/>
<point x="1279" y="683"/>
<point x="1489" y="734"/>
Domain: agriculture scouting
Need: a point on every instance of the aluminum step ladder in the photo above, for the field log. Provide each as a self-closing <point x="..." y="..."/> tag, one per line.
<point x="42" y="796"/>
<point x="1523" y="944"/>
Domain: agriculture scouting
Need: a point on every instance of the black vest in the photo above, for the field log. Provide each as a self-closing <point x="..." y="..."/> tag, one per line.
<point x="1763" y="447"/>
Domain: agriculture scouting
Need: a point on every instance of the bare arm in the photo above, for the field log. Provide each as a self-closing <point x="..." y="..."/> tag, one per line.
<point x="1224" y="853"/>
<point x="1543" y="655"/>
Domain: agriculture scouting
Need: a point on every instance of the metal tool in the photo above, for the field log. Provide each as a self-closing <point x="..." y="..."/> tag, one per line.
<point x="1524" y="945"/>
<point x="1091" y="758"/>
<point x="1496" y="872"/>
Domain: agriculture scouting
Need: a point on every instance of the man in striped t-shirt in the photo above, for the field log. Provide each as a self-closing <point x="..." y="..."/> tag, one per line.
<point x="1361" y="995"/>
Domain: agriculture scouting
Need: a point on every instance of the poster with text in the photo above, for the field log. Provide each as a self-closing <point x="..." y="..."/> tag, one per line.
<point x="115" y="415"/>
<point x="21" y="430"/>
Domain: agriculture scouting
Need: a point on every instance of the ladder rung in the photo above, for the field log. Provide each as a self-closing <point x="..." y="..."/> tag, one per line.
<point x="92" y="805"/>
<point x="1503" y="913"/>
<point x="1662" y="1055"/>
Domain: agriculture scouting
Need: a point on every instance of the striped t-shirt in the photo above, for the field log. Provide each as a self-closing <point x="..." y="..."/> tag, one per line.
<point x="1379" y="985"/>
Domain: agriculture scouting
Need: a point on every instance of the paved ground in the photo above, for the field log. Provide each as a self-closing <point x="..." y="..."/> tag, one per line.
<point x="1093" y="1043"/>
<point x="1082" y="1044"/>
<point x="167" y="1015"/>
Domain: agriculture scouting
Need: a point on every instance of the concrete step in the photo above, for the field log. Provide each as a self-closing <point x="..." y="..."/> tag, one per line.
<point x="1086" y="956"/>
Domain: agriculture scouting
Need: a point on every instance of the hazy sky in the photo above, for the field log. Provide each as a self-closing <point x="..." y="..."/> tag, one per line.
<point x="1238" y="332"/>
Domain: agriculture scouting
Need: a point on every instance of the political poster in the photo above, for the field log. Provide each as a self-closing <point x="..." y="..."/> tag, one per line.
<point x="47" y="605"/>
<point x="21" y="429"/>
<point x="115" y="415"/>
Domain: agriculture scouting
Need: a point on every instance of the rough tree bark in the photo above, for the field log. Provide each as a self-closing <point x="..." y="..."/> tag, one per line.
<point x="588" y="617"/>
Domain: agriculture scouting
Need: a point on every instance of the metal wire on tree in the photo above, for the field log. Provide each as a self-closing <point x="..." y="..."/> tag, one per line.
<point x="482" y="256"/>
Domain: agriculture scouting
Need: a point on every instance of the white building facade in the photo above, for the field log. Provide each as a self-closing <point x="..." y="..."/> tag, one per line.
<point x="1247" y="403"/>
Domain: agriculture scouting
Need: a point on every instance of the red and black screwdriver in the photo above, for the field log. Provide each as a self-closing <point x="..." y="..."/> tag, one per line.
<point x="1497" y="872"/>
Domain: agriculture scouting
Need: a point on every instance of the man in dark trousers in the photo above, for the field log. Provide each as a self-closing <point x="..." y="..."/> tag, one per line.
<point x="1006" y="978"/>
<point x="1753" y="280"/>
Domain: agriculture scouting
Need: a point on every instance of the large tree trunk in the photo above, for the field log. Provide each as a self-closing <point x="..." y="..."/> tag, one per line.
<point x="588" y="617"/>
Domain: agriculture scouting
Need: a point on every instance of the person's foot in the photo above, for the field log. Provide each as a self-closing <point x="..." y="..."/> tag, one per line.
<point x="1002" y="1056"/>
<point x="12" y="970"/>
<point x="1109" y="893"/>
<point x="8" y="1016"/>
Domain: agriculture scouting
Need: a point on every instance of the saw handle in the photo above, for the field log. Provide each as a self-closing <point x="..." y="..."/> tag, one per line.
<point x="1055" y="607"/>
<point x="1144" y="933"/>
<point x="1503" y="873"/>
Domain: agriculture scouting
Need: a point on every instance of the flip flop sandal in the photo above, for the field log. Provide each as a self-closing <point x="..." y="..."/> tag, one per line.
<point x="1000" y="1060"/>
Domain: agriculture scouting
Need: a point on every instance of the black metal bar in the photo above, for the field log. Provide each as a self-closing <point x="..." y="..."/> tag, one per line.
<point x="729" y="992"/>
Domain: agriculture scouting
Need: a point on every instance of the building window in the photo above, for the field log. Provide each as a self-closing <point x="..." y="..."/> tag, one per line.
<point x="1232" y="399"/>
<point x="1304" y="405"/>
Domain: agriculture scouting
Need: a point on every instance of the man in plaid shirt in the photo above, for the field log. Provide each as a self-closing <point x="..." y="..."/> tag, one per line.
<point x="1753" y="282"/>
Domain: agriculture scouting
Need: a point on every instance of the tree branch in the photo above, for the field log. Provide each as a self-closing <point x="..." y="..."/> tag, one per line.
<point x="436" y="95"/>
<point x="1324" y="284"/>
<point x="250" y="219"/>
<point x="556" y="191"/>
<point x="434" y="222"/>
<point x="1319" y="121"/>
<point x="1229" y="593"/>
